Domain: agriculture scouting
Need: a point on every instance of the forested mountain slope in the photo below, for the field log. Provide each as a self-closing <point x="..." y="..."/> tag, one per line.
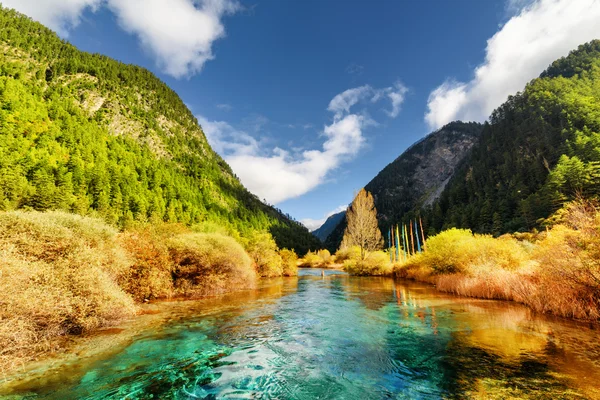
<point x="418" y="176"/>
<point x="329" y="225"/>
<point x="539" y="149"/>
<point x="87" y="134"/>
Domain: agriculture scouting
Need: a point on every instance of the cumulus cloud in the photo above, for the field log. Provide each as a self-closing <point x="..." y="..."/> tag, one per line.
<point x="225" y="139"/>
<point x="314" y="224"/>
<point x="525" y="45"/>
<point x="59" y="15"/>
<point x="178" y="34"/>
<point x="277" y="174"/>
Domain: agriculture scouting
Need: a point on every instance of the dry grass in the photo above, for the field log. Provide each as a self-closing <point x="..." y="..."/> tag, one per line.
<point x="60" y="275"/>
<point x="568" y="280"/>
<point x="208" y="264"/>
<point x="150" y="274"/>
<point x="64" y="274"/>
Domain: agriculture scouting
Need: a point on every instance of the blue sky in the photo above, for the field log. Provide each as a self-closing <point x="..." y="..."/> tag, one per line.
<point x="309" y="100"/>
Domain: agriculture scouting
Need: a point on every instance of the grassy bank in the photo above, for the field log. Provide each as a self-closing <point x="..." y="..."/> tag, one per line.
<point x="64" y="274"/>
<point x="555" y="272"/>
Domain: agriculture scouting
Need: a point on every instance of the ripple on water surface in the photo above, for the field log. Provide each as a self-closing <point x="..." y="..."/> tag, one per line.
<point x="342" y="337"/>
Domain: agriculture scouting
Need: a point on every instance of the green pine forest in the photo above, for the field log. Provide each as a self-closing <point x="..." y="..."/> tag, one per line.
<point x="86" y="134"/>
<point x="540" y="149"/>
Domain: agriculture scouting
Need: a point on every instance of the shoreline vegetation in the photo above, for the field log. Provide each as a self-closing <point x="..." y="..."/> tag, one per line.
<point x="64" y="275"/>
<point x="556" y="271"/>
<point x="86" y="275"/>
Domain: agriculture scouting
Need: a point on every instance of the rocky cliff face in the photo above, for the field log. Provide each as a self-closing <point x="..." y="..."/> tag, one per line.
<point x="418" y="176"/>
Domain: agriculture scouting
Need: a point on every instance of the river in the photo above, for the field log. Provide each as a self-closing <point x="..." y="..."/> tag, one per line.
<point x="336" y="337"/>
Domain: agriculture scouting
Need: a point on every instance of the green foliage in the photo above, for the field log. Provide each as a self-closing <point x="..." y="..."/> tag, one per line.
<point x="83" y="133"/>
<point x="540" y="149"/>
<point x="290" y="262"/>
<point x="263" y="251"/>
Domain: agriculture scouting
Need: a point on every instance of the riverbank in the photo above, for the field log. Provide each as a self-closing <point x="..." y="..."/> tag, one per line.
<point x="66" y="275"/>
<point x="338" y="336"/>
<point x="556" y="271"/>
<point x="77" y="352"/>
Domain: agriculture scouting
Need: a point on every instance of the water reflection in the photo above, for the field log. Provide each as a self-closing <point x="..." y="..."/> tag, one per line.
<point x="336" y="336"/>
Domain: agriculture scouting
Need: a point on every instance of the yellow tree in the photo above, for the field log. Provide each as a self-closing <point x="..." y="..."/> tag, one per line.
<point x="362" y="229"/>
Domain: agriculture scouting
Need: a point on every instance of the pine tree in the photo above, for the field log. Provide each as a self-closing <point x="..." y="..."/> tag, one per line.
<point x="362" y="229"/>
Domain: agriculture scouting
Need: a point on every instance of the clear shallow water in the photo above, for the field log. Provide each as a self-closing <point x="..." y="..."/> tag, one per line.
<point x="339" y="337"/>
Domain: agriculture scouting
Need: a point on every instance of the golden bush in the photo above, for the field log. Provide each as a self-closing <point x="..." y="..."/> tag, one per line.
<point x="347" y="253"/>
<point x="375" y="263"/>
<point x="209" y="263"/>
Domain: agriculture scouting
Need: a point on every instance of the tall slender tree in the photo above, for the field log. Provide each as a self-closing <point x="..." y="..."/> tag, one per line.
<point x="362" y="229"/>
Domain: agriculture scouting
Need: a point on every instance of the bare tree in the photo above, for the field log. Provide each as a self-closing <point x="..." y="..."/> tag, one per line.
<point x="362" y="229"/>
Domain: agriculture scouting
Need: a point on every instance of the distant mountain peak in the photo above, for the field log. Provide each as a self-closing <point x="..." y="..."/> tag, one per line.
<point x="329" y="225"/>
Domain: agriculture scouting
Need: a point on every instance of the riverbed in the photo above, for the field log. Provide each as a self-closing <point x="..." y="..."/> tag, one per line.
<point x="332" y="337"/>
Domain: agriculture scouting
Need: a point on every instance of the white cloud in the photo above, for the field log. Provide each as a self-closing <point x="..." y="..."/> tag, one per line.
<point x="314" y="224"/>
<point x="225" y="139"/>
<point x="277" y="174"/>
<point x="345" y="100"/>
<point x="59" y="15"/>
<point x="179" y="34"/>
<point x="541" y="32"/>
<point x="342" y="102"/>
<point x="396" y="95"/>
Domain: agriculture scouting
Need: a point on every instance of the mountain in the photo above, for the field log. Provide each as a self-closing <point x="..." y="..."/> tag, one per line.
<point x="329" y="225"/>
<point x="87" y="134"/>
<point x="418" y="176"/>
<point x="540" y="149"/>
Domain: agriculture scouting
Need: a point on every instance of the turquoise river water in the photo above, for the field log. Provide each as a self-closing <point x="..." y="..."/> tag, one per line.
<point x="335" y="337"/>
